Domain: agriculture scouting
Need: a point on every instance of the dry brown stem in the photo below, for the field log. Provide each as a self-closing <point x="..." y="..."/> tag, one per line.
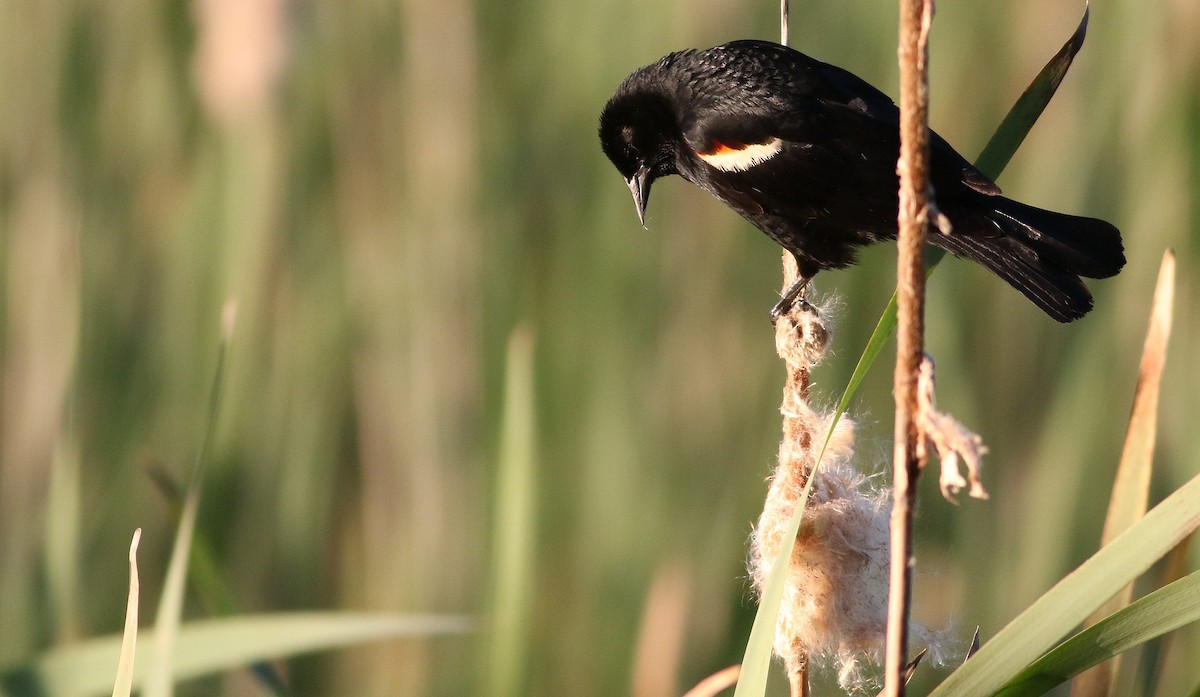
<point x="915" y="19"/>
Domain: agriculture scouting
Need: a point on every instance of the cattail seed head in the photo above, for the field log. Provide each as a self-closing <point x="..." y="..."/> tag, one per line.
<point x="834" y="609"/>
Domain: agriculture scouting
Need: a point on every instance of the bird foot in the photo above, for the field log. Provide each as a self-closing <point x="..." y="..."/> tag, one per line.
<point x="791" y="298"/>
<point x="786" y="305"/>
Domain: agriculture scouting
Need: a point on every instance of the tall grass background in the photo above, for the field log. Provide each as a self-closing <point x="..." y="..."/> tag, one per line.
<point x="390" y="190"/>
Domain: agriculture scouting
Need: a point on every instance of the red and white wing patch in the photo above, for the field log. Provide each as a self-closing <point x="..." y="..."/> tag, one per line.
<point x="740" y="157"/>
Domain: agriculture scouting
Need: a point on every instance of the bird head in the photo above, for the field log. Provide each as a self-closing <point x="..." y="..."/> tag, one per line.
<point x="640" y="134"/>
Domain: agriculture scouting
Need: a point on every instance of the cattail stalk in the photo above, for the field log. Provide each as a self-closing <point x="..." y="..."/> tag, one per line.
<point x="915" y="19"/>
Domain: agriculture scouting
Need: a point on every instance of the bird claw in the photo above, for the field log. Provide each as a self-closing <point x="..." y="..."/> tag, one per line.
<point x="785" y="306"/>
<point x="792" y="297"/>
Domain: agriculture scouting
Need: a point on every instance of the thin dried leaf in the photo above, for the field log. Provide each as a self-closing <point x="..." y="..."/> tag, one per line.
<point x="716" y="683"/>
<point x="911" y="668"/>
<point x="123" y="685"/>
<point x="1131" y="490"/>
<point x="974" y="645"/>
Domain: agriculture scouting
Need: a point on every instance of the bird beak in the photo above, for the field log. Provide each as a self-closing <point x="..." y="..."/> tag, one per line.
<point x="639" y="186"/>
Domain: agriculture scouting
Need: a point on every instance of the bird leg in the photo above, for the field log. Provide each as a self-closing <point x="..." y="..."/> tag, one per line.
<point x="794" y="294"/>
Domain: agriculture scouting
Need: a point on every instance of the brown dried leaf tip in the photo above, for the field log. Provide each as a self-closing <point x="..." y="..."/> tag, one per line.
<point x="834" y="609"/>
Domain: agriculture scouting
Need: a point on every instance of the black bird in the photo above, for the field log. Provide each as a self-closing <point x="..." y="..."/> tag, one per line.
<point x="807" y="153"/>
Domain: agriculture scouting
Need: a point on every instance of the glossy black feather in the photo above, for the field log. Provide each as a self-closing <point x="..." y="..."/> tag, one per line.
<point x="830" y="185"/>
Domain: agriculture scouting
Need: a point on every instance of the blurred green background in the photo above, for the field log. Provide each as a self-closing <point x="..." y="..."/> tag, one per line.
<point x="390" y="189"/>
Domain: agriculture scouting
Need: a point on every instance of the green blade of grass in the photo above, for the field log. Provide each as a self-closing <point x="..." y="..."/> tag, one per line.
<point x="1162" y="611"/>
<point x="170" y="606"/>
<point x="885" y="328"/>
<point x="1068" y="603"/>
<point x="1153" y="656"/>
<point x="203" y="647"/>
<point x="1029" y="106"/>
<point x="207" y="578"/>
<point x="63" y="528"/>
<point x="513" y="526"/>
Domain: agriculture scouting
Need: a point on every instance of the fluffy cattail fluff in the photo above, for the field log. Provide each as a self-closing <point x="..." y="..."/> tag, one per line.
<point x="834" y="609"/>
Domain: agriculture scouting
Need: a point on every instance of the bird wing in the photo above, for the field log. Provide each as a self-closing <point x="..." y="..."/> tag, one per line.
<point x="830" y="163"/>
<point x="846" y="89"/>
<point x="805" y="91"/>
<point x="814" y="163"/>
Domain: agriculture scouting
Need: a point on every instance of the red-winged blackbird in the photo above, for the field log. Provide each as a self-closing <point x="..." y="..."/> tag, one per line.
<point x="807" y="152"/>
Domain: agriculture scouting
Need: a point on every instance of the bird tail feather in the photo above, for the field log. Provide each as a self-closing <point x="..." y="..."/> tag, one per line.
<point x="1040" y="253"/>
